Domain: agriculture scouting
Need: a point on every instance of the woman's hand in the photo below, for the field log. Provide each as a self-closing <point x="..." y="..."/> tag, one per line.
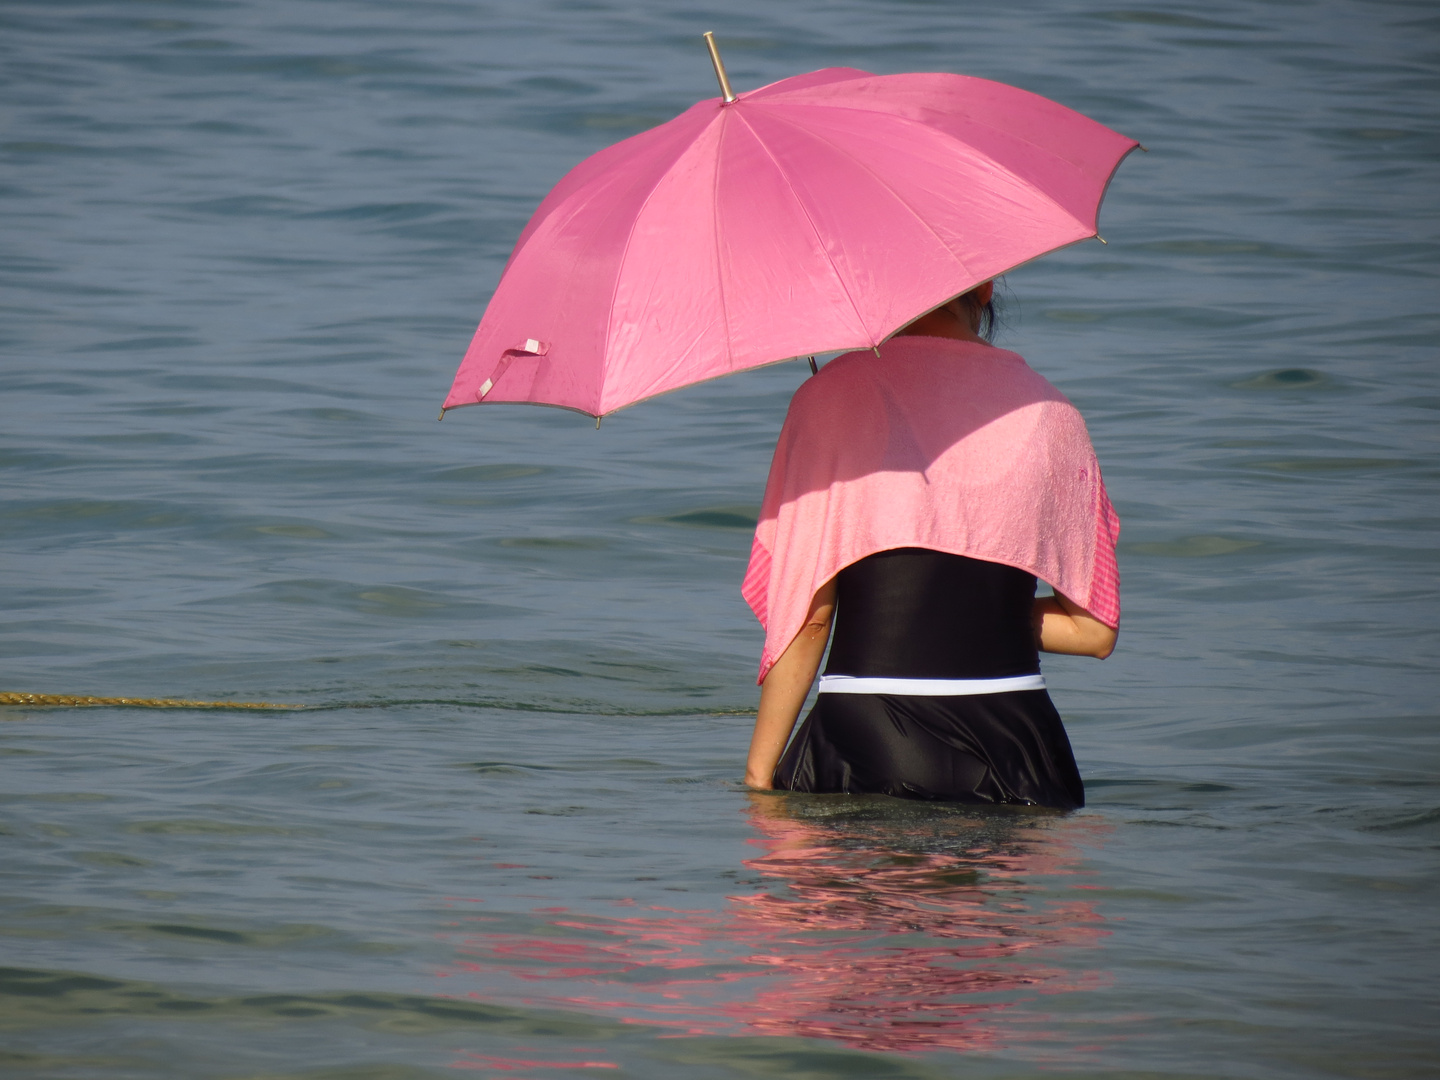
<point x="1063" y="626"/>
<point x="786" y="685"/>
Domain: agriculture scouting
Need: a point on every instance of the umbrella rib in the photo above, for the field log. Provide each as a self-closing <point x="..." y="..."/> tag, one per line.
<point x="811" y="222"/>
<point x="1009" y="172"/>
<point x="620" y="267"/>
<point x="719" y="264"/>
<point x="858" y="107"/>
<point x="884" y="186"/>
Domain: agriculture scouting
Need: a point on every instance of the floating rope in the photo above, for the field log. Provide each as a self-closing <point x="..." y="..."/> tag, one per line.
<point x="133" y="702"/>
<point x="84" y="701"/>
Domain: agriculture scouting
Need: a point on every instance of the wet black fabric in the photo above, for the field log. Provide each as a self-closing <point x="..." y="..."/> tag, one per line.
<point x="914" y="613"/>
<point x="977" y="748"/>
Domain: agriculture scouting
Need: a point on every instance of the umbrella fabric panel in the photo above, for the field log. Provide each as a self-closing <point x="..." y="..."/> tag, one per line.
<point x="862" y="246"/>
<point x="747" y="260"/>
<point x="649" y="153"/>
<point x="919" y="216"/>
<point x="1062" y="151"/>
<point x="557" y="287"/>
<point x="668" y="314"/>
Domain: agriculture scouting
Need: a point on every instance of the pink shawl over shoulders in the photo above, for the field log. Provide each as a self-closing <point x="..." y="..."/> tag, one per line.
<point x="939" y="444"/>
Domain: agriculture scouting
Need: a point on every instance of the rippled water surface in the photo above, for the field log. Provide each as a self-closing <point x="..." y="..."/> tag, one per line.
<point x="243" y="245"/>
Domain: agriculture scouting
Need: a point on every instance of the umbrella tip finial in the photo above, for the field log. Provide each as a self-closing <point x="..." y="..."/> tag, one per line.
<point x="725" y="91"/>
<point x="442" y="413"/>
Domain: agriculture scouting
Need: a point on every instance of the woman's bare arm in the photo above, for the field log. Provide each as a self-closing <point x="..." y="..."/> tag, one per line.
<point x="782" y="694"/>
<point x="1063" y="626"/>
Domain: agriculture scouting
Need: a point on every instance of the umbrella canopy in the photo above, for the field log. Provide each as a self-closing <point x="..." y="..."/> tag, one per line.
<point x="819" y="213"/>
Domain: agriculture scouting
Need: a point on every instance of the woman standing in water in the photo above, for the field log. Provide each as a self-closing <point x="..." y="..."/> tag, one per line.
<point x="917" y="493"/>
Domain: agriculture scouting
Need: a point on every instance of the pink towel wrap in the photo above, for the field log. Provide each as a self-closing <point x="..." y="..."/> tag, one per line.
<point x="935" y="443"/>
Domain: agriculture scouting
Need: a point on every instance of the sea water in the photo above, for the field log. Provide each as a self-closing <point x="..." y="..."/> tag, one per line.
<point x="243" y="246"/>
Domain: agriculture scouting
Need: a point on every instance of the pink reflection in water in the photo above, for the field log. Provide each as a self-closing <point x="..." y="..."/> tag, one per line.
<point x="501" y="1064"/>
<point x="888" y="929"/>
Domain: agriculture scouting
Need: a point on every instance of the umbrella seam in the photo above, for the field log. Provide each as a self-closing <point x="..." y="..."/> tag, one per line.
<point x="978" y="122"/>
<point x="895" y="194"/>
<point x="719" y="263"/>
<point x="619" y="273"/>
<point x="1011" y="173"/>
<point x="719" y="268"/>
<point x="820" y="240"/>
<point x="1006" y="169"/>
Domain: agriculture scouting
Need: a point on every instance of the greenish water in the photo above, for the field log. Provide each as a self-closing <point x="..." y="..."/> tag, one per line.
<point x="244" y="246"/>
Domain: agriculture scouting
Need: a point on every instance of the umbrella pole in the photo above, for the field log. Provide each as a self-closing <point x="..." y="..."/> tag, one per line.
<point x="725" y="91"/>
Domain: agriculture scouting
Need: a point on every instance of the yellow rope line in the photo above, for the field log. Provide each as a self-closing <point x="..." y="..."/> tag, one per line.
<point x="81" y="701"/>
<point x="7" y="698"/>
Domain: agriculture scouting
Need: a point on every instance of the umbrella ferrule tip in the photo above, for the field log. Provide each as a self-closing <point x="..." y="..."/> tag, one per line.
<point x="726" y="93"/>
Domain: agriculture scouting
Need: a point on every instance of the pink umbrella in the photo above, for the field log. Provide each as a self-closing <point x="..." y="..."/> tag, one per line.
<point x="817" y="214"/>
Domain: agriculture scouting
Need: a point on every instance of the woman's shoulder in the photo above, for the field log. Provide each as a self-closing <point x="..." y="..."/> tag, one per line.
<point x="1016" y="370"/>
<point x="919" y="369"/>
<point x="838" y="381"/>
<point x="965" y="354"/>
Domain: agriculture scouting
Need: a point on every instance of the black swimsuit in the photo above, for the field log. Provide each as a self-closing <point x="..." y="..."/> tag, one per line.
<point x="911" y="613"/>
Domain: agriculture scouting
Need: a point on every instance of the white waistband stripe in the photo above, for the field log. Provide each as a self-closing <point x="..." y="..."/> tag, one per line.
<point x="853" y="684"/>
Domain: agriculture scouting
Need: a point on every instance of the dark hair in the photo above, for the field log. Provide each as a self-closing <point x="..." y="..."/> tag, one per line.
<point x="988" y="318"/>
<point x="986" y="315"/>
